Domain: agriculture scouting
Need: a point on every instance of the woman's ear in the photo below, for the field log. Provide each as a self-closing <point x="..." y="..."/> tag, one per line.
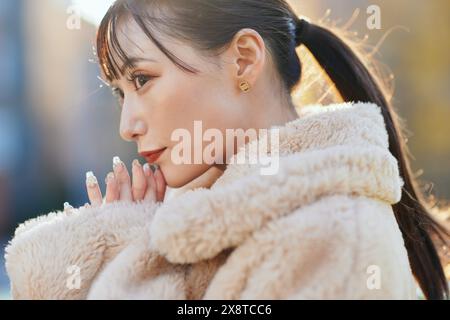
<point x="247" y="54"/>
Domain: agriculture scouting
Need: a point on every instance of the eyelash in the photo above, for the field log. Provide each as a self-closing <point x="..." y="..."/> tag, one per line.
<point x="136" y="76"/>
<point x="118" y="93"/>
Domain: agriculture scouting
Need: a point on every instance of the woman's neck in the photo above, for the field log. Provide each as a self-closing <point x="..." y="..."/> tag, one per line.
<point x="283" y="114"/>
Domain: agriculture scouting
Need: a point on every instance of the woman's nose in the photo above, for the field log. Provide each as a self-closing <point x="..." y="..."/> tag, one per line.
<point x="132" y="124"/>
<point x="131" y="127"/>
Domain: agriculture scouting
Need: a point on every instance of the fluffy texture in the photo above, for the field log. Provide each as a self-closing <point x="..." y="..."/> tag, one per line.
<point x="321" y="228"/>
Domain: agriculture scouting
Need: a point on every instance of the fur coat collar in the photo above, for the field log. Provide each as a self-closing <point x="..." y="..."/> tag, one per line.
<point x="339" y="149"/>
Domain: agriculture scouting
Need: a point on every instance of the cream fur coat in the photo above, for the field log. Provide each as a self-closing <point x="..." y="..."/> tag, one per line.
<point x="321" y="228"/>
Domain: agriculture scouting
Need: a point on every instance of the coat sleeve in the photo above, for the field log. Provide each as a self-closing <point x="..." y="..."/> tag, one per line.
<point x="59" y="255"/>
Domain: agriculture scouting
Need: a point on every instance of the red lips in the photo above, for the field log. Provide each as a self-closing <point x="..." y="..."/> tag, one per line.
<point x="152" y="156"/>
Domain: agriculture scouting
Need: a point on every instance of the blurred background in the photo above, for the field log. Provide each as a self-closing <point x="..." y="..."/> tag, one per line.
<point x="58" y="121"/>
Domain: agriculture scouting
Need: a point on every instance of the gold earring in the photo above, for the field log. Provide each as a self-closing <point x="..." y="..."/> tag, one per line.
<point x="244" y="86"/>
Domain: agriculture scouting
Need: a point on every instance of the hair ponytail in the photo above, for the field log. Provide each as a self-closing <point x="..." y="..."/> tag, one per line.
<point x="355" y="83"/>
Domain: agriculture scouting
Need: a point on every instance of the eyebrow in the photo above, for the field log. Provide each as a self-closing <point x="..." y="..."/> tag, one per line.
<point x="131" y="62"/>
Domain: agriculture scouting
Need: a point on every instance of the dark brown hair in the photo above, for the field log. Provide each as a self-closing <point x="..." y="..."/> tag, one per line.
<point x="210" y="25"/>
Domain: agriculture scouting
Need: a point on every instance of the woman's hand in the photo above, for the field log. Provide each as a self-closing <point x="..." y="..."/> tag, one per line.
<point x="145" y="185"/>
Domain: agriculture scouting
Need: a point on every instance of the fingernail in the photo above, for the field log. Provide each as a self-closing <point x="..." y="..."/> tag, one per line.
<point x="67" y="206"/>
<point x="136" y="163"/>
<point x="147" y="169"/>
<point x="117" y="163"/>
<point x="109" y="177"/>
<point x="91" y="180"/>
<point x="155" y="167"/>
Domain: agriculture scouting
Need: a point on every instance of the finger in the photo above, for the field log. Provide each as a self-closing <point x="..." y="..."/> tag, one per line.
<point x="150" y="194"/>
<point x="123" y="179"/>
<point x="160" y="184"/>
<point x="93" y="189"/>
<point x="67" y="208"/>
<point x="139" y="184"/>
<point x="112" y="188"/>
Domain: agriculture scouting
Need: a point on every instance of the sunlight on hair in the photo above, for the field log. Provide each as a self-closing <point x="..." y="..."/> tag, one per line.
<point x="315" y="85"/>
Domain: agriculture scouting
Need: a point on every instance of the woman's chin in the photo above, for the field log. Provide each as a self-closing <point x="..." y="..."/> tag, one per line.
<point x="178" y="176"/>
<point x="175" y="183"/>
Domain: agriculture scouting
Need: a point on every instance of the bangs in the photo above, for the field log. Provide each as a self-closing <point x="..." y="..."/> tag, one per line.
<point x="109" y="51"/>
<point x="114" y="61"/>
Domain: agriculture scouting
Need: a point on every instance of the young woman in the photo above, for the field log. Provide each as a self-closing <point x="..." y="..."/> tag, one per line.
<point x="340" y="217"/>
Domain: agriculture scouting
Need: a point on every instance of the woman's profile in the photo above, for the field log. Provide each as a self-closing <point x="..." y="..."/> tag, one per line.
<point x="339" y="216"/>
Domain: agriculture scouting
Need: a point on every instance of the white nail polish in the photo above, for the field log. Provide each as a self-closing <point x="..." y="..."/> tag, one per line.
<point x="136" y="163"/>
<point x="91" y="180"/>
<point x="146" y="167"/>
<point x="67" y="206"/>
<point x="109" y="177"/>
<point x="116" y="161"/>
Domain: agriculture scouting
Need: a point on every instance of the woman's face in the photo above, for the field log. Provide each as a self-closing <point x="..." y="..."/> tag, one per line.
<point x="160" y="98"/>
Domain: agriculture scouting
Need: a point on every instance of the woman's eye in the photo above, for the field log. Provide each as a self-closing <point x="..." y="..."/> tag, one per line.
<point x="140" y="81"/>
